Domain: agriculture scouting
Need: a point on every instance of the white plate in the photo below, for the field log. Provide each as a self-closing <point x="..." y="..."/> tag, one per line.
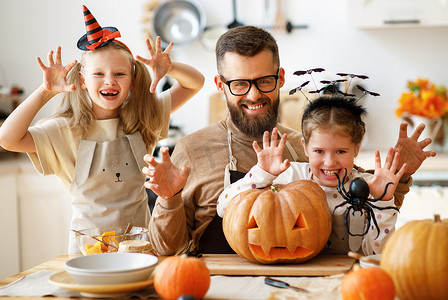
<point x="111" y="263"/>
<point x="63" y="280"/>
<point x="365" y="264"/>
<point x="111" y="268"/>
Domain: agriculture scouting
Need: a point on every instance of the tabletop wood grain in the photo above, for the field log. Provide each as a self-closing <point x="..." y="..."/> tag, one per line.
<point x="220" y="264"/>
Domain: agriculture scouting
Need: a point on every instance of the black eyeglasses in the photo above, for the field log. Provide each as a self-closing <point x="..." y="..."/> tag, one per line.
<point x="240" y="87"/>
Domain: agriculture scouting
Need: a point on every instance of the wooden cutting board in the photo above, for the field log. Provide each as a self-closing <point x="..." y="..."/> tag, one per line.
<point x="321" y="265"/>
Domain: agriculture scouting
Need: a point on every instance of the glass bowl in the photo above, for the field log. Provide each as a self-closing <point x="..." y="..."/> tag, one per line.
<point x="89" y="240"/>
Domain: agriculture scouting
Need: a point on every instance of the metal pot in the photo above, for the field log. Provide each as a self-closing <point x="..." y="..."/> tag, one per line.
<point x="179" y="21"/>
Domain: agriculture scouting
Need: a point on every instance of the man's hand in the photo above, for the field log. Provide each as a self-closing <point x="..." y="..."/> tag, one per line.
<point x="411" y="150"/>
<point x="165" y="180"/>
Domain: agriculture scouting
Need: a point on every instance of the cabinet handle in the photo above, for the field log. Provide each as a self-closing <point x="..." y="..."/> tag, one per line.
<point x="410" y="21"/>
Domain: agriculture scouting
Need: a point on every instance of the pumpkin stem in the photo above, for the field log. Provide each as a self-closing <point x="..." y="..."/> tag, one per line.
<point x="274" y="189"/>
<point x="436" y="218"/>
<point x="184" y="255"/>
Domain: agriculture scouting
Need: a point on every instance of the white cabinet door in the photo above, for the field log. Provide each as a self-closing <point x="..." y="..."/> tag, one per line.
<point x="9" y="231"/>
<point x="45" y="213"/>
<point x="423" y="203"/>
<point x="393" y="13"/>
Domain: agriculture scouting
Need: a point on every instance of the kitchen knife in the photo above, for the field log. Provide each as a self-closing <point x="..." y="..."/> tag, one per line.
<point x="281" y="284"/>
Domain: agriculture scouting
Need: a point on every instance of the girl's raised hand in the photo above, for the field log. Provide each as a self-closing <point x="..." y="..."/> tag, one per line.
<point x="54" y="76"/>
<point x="270" y="157"/>
<point x="159" y="61"/>
<point x="383" y="175"/>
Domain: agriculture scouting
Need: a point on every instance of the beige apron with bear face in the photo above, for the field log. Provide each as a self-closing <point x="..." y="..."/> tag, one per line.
<point x="108" y="185"/>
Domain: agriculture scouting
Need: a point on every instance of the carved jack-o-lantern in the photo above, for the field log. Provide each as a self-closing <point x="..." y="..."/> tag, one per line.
<point x="280" y="224"/>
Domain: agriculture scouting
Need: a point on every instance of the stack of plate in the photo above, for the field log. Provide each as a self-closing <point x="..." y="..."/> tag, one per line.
<point x="111" y="268"/>
<point x="108" y="273"/>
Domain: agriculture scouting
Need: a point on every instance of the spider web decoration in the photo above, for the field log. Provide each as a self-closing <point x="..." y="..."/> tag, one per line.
<point x="331" y="86"/>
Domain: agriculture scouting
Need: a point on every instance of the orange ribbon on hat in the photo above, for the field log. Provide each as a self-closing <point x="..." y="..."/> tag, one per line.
<point x="107" y="35"/>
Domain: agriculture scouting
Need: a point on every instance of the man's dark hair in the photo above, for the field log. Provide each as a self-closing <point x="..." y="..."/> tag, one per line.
<point x="246" y="41"/>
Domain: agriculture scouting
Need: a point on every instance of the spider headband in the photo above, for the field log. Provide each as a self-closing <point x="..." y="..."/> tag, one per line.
<point x="332" y="96"/>
<point x="331" y="87"/>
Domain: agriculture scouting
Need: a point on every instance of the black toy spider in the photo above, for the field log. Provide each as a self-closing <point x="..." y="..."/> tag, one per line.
<point x="358" y="199"/>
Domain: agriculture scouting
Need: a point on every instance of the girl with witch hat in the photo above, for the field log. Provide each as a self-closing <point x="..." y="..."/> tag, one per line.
<point x="107" y="120"/>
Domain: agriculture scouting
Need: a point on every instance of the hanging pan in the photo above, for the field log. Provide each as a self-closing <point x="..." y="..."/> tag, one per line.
<point x="179" y="21"/>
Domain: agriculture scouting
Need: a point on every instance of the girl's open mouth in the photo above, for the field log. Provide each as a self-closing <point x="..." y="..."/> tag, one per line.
<point x="330" y="172"/>
<point x="109" y="94"/>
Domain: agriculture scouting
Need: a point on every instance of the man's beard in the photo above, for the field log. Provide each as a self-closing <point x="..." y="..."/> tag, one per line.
<point x="254" y="125"/>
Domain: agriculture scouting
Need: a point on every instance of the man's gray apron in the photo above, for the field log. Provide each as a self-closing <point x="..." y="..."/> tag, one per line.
<point x="107" y="188"/>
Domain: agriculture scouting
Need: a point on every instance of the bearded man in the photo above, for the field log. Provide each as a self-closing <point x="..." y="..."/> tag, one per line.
<point x="184" y="218"/>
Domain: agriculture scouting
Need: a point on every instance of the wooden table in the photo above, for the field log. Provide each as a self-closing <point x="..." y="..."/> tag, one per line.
<point x="222" y="264"/>
<point x="55" y="264"/>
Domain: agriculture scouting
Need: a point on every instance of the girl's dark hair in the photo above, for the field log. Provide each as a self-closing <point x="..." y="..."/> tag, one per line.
<point x="342" y="115"/>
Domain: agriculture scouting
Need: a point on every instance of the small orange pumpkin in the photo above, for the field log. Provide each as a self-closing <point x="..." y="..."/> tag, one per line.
<point x="370" y="283"/>
<point x="280" y="224"/>
<point x="416" y="256"/>
<point x="181" y="275"/>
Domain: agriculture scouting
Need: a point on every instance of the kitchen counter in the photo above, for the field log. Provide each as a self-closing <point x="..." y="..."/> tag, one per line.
<point x="366" y="159"/>
<point x="226" y="287"/>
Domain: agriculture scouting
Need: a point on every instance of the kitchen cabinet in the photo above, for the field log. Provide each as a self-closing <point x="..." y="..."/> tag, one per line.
<point x="423" y="202"/>
<point x="397" y="13"/>
<point x="45" y="214"/>
<point x="9" y="221"/>
<point x="35" y="216"/>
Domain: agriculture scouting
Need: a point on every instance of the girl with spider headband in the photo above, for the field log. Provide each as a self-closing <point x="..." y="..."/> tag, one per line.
<point x="107" y="120"/>
<point x="333" y="130"/>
